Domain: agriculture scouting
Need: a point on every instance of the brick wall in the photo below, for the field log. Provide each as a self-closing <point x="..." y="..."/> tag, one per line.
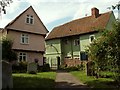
<point x="72" y="62"/>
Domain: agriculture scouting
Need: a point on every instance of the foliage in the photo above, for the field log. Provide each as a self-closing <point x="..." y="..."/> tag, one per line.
<point x="44" y="68"/>
<point x="82" y="66"/>
<point x="3" y="4"/>
<point x="105" y="51"/>
<point x="21" y="67"/>
<point x="7" y="52"/>
<point x="34" y="81"/>
<point x="32" y="72"/>
<point x="106" y="74"/>
<point x="72" y="68"/>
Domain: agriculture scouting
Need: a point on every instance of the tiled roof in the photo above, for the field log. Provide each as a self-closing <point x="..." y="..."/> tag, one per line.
<point x="80" y="26"/>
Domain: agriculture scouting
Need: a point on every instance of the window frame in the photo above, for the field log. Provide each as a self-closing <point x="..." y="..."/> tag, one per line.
<point x="28" y="19"/>
<point x="66" y="41"/>
<point x="22" y="55"/>
<point x="76" y="42"/>
<point x="90" y="38"/>
<point x="24" y="39"/>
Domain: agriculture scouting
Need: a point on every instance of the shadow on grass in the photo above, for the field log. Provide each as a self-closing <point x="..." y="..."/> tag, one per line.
<point x="32" y="82"/>
<point x="62" y="85"/>
<point x="102" y="85"/>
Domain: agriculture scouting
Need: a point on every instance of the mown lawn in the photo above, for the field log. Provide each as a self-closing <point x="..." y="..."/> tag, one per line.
<point x="92" y="82"/>
<point x="39" y="80"/>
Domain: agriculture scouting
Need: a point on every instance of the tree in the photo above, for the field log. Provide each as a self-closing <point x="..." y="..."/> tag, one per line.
<point x="7" y="52"/>
<point x="3" y="4"/>
<point x="105" y="51"/>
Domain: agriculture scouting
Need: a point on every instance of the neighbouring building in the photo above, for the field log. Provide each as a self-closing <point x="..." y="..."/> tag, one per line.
<point x="28" y="33"/>
<point x="66" y="44"/>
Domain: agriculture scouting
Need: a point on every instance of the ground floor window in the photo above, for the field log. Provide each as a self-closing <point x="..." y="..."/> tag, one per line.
<point x="22" y="56"/>
<point x="76" y="56"/>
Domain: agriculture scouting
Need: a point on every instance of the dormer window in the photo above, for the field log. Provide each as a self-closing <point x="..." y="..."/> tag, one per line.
<point x="29" y="19"/>
<point x="76" y="42"/>
<point x="91" y="38"/>
<point x="66" y="41"/>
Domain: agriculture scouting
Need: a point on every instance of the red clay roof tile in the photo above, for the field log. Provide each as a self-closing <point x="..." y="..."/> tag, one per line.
<point x="80" y="26"/>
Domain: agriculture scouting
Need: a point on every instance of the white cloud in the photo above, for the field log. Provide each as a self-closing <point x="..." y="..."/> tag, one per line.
<point x="51" y="10"/>
<point x="85" y="7"/>
<point x="3" y="22"/>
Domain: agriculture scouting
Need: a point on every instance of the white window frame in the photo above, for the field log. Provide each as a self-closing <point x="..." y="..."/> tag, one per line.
<point x="24" y="39"/>
<point x="29" y="17"/>
<point x="22" y="55"/>
<point x="76" y="42"/>
<point x="90" y="38"/>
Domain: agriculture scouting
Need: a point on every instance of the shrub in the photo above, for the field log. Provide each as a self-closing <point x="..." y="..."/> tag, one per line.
<point x="68" y="69"/>
<point x="21" y="67"/>
<point x="32" y="72"/>
<point x="44" y="68"/>
<point x="7" y="53"/>
<point x="73" y="68"/>
<point x="82" y="66"/>
<point x="105" y="51"/>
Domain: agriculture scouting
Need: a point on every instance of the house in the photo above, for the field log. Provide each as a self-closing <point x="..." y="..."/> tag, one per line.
<point x="28" y="35"/>
<point x="66" y="44"/>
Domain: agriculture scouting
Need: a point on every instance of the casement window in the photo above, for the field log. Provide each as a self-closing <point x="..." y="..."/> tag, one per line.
<point x="29" y="19"/>
<point x="66" y="41"/>
<point x="91" y="38"/>
<point x="24" y="39"/>
<point x="22" y="56"/>
<point x="76" y="42"/>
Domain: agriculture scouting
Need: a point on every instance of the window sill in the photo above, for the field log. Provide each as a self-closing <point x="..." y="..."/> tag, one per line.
<point x="24" y="43"/>
<point x="29" y="24"/>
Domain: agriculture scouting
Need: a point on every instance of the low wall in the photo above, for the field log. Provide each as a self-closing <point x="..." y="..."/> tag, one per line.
<point x="72" y="62"/>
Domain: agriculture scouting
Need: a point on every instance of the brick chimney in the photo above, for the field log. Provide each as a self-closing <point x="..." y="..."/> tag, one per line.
<point x="95" y="12"/>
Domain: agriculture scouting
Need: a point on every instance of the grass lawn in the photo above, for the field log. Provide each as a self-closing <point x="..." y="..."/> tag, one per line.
<point x="39" y="80"/>
<point x="92" y="81"/>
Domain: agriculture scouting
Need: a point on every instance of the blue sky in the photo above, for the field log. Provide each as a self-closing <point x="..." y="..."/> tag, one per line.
<point x="56" y="12"/>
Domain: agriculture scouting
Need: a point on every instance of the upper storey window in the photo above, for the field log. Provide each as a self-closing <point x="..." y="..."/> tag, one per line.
<point x="29" y="19"/>
<point x="91" y="38"/>
<point x="76" y="42"/>
<point x="24" y="39"/>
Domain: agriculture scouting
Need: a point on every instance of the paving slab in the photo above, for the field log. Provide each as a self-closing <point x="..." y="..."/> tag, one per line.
<point x="67" y="80"/>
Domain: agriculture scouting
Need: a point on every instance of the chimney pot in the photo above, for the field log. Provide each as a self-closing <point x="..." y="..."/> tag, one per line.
<point x="95" y="12"/>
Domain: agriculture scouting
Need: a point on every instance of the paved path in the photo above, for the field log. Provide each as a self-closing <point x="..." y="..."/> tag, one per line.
<point x="66" y="80"/>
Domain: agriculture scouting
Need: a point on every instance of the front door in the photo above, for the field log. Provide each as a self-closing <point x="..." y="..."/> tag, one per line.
<point x="58" y="62"/>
